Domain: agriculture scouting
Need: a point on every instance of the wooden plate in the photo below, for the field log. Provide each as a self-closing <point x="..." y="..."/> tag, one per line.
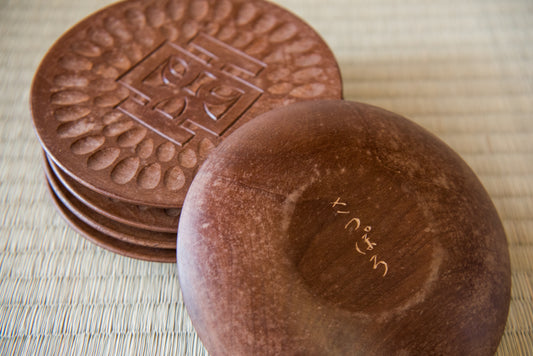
<point x="107" y="226"/>
<point x="109" y="243"/>
<point x="130" y="101"/>
<point x="139" y="216"/>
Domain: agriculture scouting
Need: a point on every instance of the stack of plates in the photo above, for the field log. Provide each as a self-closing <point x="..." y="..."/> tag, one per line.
<point x="134" y="230"/>
<point x="130" y="101"/>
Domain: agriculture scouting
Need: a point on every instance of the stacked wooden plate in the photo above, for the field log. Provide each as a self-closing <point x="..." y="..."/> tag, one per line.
<point x="129" y="102"/>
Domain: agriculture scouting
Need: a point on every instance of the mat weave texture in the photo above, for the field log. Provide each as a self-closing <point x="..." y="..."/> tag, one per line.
<point x="461" y="69"/>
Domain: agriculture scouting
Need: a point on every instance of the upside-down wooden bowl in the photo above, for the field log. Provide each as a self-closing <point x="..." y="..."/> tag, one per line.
<point x="333" y="227"/>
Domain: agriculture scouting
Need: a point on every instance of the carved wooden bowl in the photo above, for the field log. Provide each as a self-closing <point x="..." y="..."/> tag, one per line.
<point x="333" y="227"/>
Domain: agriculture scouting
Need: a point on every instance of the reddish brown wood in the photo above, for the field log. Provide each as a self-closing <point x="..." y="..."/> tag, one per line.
<point x="139" y="216"/>
<point x="130" y="101"/>
<point x="339" y="228"/>
<point x="111" y="244"/>
<point x="104" y="225"/>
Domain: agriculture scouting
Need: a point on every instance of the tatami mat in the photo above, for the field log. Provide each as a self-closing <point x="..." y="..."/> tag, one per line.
<point x="462" y="69"/>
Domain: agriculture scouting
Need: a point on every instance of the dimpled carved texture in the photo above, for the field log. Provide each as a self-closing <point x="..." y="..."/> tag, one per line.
<point x="131" y="100"/>
<point x="112" y="244"/>
<point x="109" y="227"/>
<point x="338" y="228"/>
<point x="140" y="216"/>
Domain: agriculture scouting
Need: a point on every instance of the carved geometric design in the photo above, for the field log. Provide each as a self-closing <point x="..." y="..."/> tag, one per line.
<point x="132" y="100"/>
<point x="175" y="90"/>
